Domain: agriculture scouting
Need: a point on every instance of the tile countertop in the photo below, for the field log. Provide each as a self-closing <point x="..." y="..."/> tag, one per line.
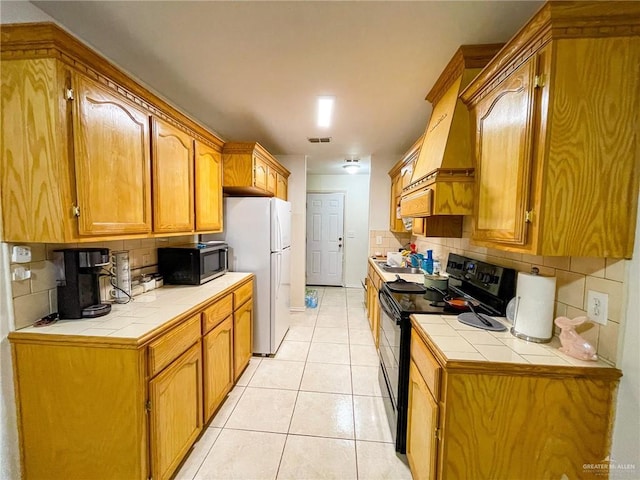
<point x="142" y="318"/>
<point x="456" y="341"/>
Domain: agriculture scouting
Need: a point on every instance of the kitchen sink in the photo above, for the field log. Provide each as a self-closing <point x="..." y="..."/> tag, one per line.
<point x="390" y="269"/>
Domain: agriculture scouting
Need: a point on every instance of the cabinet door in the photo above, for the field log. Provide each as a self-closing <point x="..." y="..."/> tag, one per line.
<point x="172" y="179"/>
<point x="242" y="337"/>
<point x="175" y="395"/>
<point x="422" y="443"/>
<point x="375" y="318"/>
<point x="260" y="172"/>
<point x="405" y="175"/>
<point x="395" y="223"/>
<point x="281" y="187"/>
<point x="370" y="305"/>
<point x="217" y="359"/>
<point x="208" y="181"/>
<point x="504" y="129"/>
<point x="272" y="181"/>
<point x="112" y="162"/>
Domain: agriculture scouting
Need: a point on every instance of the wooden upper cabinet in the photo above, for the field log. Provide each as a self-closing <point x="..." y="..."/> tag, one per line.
<point x="75" y="160"/>
<point x="260" y="174"/>
<point x="281" y="186"/>
<point x="400" y="175"/>
<point x="555" y="118"/>
<point x="250" y="170"/>
<point x="111" y="151"/>
<point x="504" y="158"/>
<point x="37" y="190"/>
<point x="208" y="184"/>
<point x="272" y="181"/>
<point x="76" y="155"/>
<point x="172" y="179"/>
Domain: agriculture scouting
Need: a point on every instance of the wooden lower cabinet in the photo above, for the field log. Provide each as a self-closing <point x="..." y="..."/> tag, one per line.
<point x="127" y="408"/>
<point x="481" y="419"/>
<point x="175" y="406"/>
<point x="217" y="350"/>
<point x="81" y="410"/>
<point x="373" y="304"/>
<point x="242" y="338"/>
<point x="422" y="427"/>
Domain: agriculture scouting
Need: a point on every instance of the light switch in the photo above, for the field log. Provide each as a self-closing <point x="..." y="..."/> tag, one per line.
<point x="379" y="240"/>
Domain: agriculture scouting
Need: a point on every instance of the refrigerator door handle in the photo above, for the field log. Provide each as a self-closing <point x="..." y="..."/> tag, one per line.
<point x="278" y="245"/>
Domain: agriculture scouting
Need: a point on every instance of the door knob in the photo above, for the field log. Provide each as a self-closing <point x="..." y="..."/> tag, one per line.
<point x="339" y="239"/>
<point x="339" y="245"/>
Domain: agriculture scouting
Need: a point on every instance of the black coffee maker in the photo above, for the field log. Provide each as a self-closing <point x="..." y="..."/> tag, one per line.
<point x="77" y="276"/>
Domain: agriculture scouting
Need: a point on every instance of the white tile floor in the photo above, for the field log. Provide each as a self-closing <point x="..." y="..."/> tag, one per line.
<point x="313" y="412"/>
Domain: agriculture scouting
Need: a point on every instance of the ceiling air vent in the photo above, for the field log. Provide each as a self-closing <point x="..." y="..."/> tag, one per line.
<point x="319" y="139"/>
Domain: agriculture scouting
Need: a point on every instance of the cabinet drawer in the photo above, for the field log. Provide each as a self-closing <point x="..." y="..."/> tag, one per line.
<point x="243" y="294"/>
<point x="171" y="345"/>
<point x="217" y="312"/>
<point x="417" y="204"/>
<point x="427" y="364"/>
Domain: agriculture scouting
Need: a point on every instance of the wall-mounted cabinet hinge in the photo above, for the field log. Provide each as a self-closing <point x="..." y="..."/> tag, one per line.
<point x="528" y="216"/>
<point x="539" y="81"/>
<point x="68" y="94"/>
<point x="437" y="433"/>
<point x="147" y="406"/>
<point x="76" y="211"/>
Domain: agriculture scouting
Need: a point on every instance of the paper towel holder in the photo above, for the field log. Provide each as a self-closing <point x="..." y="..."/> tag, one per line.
<point x="524" y="331"/>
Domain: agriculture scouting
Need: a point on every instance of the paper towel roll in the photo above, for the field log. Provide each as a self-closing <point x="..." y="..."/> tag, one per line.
<point x="394" y="259"/>
<point x="535" y="295"/>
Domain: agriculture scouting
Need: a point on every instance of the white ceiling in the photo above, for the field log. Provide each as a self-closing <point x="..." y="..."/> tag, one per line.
<point x="252" y="70"/>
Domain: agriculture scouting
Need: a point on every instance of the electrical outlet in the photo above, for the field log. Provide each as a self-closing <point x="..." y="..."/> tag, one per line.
<point x="19" y="273"/>
<point x="379" y="240"/>
<point x="597" y="306"/>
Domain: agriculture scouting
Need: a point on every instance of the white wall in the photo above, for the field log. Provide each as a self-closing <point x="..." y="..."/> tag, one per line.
<point x="10" y="12"/>
<point x="626" y="431"/>
<point x="356" y="220"/>
<point x="297" y="195"/>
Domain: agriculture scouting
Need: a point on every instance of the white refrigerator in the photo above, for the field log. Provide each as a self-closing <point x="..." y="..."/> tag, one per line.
<point x="258" y="231"/>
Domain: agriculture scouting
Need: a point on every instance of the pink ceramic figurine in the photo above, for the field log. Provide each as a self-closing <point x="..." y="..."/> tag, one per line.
<point x="572" y="343"/>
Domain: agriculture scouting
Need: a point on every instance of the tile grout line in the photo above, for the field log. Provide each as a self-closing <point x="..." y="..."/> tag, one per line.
<point x="353" y="402"/>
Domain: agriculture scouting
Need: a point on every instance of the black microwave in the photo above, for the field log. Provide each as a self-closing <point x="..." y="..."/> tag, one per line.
<point x="194" y="263"/>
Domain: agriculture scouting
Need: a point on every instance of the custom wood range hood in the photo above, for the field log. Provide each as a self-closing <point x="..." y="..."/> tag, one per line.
<point x="442" y="180"/>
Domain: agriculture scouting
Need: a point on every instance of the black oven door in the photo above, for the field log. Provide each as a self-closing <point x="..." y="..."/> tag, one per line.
<point x="389" y="346"/>
<point x="394" y="345"/>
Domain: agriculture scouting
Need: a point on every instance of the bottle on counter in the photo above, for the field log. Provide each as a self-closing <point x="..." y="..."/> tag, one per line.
<point x="427" y="262"/>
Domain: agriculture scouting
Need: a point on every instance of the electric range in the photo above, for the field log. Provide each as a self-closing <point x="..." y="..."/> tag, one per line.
<point x="489" y="287"/>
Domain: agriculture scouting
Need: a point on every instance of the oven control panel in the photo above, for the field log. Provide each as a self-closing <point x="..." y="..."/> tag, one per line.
<point x="493" y="279"/>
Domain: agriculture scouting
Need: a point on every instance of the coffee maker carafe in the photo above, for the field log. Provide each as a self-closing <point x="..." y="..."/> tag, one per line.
<point x="77" y="276"/>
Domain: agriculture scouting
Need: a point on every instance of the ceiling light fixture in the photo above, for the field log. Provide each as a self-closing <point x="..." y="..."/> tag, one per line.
<point x="325" y="110"/>
<point x="351" y="165"/>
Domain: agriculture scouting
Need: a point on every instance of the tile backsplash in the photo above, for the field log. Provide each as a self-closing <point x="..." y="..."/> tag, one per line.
<point x="575" y="276"/>
<point x="36" y="297"/>
<point x="390" y="242"/>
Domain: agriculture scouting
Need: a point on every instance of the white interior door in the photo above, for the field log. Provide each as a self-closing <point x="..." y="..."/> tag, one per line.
<point x="325" y="238"/>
